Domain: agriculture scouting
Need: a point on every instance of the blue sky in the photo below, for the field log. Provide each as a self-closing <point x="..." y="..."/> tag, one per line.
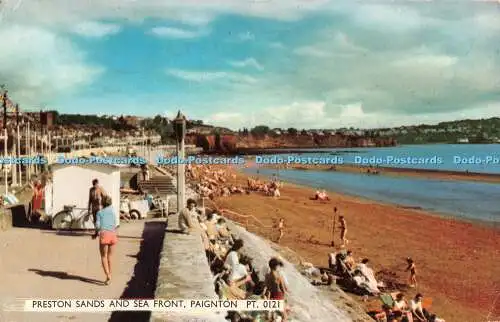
<point x="236" y="63"/>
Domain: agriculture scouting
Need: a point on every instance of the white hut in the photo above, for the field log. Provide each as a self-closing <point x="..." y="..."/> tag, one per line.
<point x="71" y="184"/>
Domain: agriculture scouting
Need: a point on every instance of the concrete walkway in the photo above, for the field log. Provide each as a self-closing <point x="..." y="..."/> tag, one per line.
<point x="43" y="264"/>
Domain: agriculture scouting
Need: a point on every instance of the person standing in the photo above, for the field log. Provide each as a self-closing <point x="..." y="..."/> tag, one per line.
<point x="37" y="198"/>
<point x="145" y="172"/>
<point x="413" y="272"/>
<point x="106" y="228"/>
<point x="275" y="286"/>
<point x="96" y="197"/>
<point x="343" y="231"/>
<point x="281" y="229"/>
<point x="186" y="216"/>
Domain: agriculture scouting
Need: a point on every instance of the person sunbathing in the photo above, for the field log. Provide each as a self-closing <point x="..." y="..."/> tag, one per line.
<point x="349" y="260"/>
<point x="361" y="283"/>
<point x="369" y="275"/>
<point x="323" y="196"/>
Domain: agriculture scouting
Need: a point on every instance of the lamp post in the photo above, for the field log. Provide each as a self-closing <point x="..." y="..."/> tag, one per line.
<point x="4" y="105"/>
<point x="180" y="133"/>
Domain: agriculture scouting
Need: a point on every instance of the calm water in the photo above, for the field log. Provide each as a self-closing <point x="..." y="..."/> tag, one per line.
<point x="486" y="156"/>
<point x="470" y="200"/>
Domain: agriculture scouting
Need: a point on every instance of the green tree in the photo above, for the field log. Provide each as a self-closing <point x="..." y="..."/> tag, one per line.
<point x="292" y="131"/>
<point x="260" y="130"/>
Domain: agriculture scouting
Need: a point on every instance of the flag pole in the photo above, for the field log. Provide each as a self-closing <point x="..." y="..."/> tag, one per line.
<point x="333" y="225"/>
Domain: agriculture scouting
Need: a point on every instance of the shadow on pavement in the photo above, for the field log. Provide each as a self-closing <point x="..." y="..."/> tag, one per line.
<point x="175" y="231"/>
<point x="71" y="233"/>
<point x="143" y="283"/>
<point x="65" y="276"/>
<point x="129" y="237"/>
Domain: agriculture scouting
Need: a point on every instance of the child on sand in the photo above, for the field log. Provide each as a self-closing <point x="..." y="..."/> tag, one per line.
<point x="281" y="229"/>
<point x="343" y="231"/>
<point x="413" y="272"/>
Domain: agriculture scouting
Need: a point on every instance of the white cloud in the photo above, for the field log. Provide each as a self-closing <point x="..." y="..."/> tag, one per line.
<point x="248" y="62"/>
<point x="95" y="29"/>
<point x="65" y="13"/>
<point x="210" y="76"/>
<point x="56" y="66"/>
<point x="315" y="114"/>
<point x="277" y="45"/>
<point x="177" y="33"/>
<point x="310" y="51"/>
<point x="246" y="36"/>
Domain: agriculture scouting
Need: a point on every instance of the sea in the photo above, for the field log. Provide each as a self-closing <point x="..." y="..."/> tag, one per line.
<point x="476" y="201"/>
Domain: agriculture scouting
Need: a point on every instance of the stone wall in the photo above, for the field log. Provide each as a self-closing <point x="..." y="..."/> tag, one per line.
<point x="184" y="274"/>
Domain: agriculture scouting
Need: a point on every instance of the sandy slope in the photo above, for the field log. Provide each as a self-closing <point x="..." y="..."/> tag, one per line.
<point x="457" y="261"/>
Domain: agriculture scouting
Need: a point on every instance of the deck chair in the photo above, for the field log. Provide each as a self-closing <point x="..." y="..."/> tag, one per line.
<point x="387" y="299"/>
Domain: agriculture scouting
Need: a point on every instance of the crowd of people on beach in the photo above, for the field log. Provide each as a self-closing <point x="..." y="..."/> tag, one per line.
<point x="235" y="278"/>
<point x="213" y="182"/>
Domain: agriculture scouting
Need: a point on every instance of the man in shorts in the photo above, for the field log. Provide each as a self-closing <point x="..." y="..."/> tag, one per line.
<point x="96" y="197"/>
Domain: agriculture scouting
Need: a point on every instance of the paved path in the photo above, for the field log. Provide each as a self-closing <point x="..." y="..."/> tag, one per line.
<point x="43" y="264"/>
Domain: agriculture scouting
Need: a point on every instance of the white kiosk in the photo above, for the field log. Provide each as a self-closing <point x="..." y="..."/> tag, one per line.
<point x="70" y="187"/>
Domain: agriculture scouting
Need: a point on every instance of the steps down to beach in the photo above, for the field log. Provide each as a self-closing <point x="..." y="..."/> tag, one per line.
<point x="158" y="184"/>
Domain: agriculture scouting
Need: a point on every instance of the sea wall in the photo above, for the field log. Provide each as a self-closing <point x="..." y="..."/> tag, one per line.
<point x="184" y="272"/>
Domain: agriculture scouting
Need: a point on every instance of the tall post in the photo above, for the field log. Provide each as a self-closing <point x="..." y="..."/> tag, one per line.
<point x="13" y="155"/>
<point x="5" y="98"/>
<point x="28" y="150"/>
<point x="49" y="150"/>
<point x="20" y="168"/>
<point x="180" y="132"/>
<point x="18" y="150"/>
<point x="4" y="105"/>
<point x="5" y="173"/>
<point x="35" y="151"/>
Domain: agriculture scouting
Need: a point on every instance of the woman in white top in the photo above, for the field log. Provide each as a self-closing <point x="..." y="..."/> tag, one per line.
<point x="233" y="257"/>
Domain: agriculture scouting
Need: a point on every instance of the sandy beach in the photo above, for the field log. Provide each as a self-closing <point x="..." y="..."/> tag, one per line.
<point x="457" y="261"/>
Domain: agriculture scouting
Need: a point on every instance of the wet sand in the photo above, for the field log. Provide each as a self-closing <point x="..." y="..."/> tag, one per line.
<point x="457" y="261"/>
<point x="420" y="173"/>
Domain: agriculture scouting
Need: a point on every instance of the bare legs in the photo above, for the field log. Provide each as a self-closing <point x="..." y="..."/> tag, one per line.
<point x="106" y="254"/>
<point x="413" y="280"/>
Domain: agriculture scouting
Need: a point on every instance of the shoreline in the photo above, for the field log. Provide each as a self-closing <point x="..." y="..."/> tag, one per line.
<point x="365" y="200"/>
<point x="408" y="232"/>
<point x="391" y="171"/>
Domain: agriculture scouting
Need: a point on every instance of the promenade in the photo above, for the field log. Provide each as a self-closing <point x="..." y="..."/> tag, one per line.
<point x="44" y="264"/>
